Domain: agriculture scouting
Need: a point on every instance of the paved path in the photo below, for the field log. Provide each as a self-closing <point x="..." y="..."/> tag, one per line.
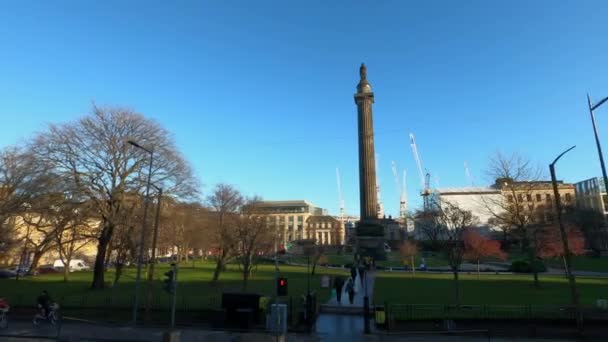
<point x="360" y="290"/>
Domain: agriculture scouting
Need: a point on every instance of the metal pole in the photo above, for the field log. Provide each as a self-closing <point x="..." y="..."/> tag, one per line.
<point x="153" y="260"/>
<point x="142" y="239"/>
<point x="597" y="139"/>
<point x="175" y="268"/>
<point x="564" y="237"/>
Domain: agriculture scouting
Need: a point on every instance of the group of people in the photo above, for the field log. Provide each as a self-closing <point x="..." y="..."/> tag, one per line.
<point x="349" y="284"/>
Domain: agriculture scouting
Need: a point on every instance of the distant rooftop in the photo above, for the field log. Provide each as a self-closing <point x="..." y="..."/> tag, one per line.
<point x="467" y="190"/>
<point x="289" y="203"/>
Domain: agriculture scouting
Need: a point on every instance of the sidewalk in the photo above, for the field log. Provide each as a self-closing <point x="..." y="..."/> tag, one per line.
<point x="368" y="286"/>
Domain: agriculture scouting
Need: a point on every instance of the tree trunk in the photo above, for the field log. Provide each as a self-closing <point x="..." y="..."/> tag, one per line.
<point x="413" y="266"/>
<point x="35" y="260"/>
<point x="246" y="270"/>
<point x="108" y="257"/>
<point x="536" y="283"/>
<point x="565" y="265"/>
<point x="66" y="270"/>
<point x="119" y="267"/>
<point x="99" y="268"/>
<point x="314" y="267"/>
<point x="456" y="288"/>
<point x="219" y="267"/>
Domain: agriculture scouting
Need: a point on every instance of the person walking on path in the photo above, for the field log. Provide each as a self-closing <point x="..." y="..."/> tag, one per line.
<point x="362" y="274"/>
<point x="350" y="289"/>
<point x="353" y="272"/>
<point x="338" y="284"/>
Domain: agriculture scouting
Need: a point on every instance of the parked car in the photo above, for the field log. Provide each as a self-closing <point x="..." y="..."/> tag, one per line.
<point x="75" y="265"/>
<point x="7" y="274"/>
<point x="46" y="269"/>
<point x="21" y="270"/>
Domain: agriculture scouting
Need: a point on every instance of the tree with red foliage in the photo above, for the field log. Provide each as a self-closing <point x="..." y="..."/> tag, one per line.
<point x="477" y="247"/>
<point x="550" y="243"/>
<point x="408" y="251"/>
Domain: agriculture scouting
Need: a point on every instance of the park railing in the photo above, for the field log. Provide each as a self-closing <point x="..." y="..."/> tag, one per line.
<point x="419" y="312"/>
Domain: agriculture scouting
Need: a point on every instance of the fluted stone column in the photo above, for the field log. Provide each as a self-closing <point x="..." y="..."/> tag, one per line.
<point x="364" y="98"/>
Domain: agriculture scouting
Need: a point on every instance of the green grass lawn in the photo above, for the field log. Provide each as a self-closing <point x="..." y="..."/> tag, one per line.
<point x="194" y="289"/>
<point x="583" y="263"/>
<point x="402" y="288"/>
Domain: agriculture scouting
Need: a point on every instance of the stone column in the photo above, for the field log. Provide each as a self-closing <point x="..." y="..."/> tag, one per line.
<point x="364" y="98"/>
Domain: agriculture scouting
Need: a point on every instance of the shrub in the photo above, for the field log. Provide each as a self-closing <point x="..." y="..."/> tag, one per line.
<point x="524" y="266"/>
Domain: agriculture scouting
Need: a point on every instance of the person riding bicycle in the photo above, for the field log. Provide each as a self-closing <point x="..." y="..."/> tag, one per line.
<point x="44" y="302"/>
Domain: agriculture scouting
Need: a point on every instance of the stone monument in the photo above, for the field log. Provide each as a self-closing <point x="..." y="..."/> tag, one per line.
<point x="370" y="230"/>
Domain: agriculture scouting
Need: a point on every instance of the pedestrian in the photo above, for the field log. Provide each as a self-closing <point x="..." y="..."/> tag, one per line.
<point x="350" y="288"/>
<point x="361" y="273"/>
<point x="353" y="272"/>
<point x="338" y="284"/>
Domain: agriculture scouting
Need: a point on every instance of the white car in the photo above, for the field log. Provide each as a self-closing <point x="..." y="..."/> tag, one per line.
<point x="75" y="265"/>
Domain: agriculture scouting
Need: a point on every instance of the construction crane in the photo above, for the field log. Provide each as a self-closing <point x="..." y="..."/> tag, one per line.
<point x="401" y="188"/>
<point x="424" y="179"/>
<point x="340" y="197"/>
<point x="380" y="208"/>
<point x="468" y="174"/>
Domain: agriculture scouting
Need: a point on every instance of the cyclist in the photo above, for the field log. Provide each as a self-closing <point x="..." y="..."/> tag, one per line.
<point x="44" y="303"/>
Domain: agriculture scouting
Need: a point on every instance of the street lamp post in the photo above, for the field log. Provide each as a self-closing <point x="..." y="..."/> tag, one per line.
<point x="153" y="259"/>
<point x="597" y="139"/>
<point x="564" y="237"/>
<point x="143" y="229"/>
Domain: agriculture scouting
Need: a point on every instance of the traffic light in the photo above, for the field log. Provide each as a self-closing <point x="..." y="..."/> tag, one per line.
<point x="169" y="282"/>
<point x="282" y="286"/>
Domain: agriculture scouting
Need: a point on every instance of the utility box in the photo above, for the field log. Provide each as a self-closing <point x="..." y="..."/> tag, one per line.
<point x="380" y="315"/>
<point x="276" y="321"/>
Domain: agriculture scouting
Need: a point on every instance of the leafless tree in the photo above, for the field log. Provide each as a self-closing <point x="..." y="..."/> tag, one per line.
<point x="428" y="223"/>
<point x="93" y="153"/>
<point x="518" y="218"/>
<point x="186" y="226"/>
<point x="226" y="201"/>
<point x="74" y="237"/>
<point x="22" y="177"/>
<point x="254" y="237"/>
<point x="456" y="221"/>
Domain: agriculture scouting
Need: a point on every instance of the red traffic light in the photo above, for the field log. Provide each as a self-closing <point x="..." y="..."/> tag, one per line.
<point x="282" y="282"/>
<point x="282" y="286"/>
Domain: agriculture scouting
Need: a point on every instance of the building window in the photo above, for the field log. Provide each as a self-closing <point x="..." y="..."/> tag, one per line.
<point x="568" y="197"/>
<point x="510" y="198"/>
<point x="300" y="219"/>
<point x="548" y="197"/>
<point x="529" y="197"/>
<point x="539" y="198"/>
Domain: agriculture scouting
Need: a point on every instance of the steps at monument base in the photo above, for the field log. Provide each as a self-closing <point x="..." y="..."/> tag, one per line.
<point x="338" y="309"/>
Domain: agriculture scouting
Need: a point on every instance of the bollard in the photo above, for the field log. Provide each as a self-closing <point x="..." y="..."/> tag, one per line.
<point x="171" y="336"/>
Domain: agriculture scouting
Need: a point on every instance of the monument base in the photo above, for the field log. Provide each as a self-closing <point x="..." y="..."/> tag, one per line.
<point x="370" y="240"/>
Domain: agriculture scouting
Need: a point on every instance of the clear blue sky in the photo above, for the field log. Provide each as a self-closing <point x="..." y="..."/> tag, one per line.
<point x="260" y="93"/>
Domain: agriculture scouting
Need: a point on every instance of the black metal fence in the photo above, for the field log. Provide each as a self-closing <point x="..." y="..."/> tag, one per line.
<point x="413" y="312"/>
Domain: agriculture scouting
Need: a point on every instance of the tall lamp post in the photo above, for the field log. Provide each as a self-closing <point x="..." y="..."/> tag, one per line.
<point x="153" y="259"/>
<point x="143" y="229"/>
<point x="564" y="236"/>
<point x="597" y="139"/>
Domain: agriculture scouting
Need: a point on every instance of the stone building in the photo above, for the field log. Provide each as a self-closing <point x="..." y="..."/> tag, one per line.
<point x="591" y="194"/>
<point x="292" y="220"/>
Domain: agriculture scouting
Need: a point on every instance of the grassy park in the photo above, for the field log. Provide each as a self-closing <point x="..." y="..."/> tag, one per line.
<point x="506" y="289"/>
<point x="194" y="289"/>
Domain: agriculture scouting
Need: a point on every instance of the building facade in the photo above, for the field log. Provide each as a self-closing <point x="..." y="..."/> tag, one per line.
<point x="291" y="218"/>
<point x="591" y="194"/>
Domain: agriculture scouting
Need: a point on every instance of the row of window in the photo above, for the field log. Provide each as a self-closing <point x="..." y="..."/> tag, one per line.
<point x="539" y="197"/>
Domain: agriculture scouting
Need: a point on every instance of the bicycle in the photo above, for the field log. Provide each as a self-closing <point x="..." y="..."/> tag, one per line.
<point x="53" y="316"/>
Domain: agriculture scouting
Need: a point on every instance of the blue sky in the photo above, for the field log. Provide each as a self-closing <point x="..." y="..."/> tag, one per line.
<point x="260" y="93"/>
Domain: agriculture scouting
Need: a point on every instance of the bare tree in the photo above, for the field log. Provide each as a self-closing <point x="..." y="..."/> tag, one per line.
<point x="517" y="178"/>
<point x="187" y="226"/>
<point x="75" y="236"/>
<point x="226" y="201"/>
<point x="428" y="223"/>
<point x="254" y="237"/>
<point x="22" y="177"/>
<point x="92" y="152"/>
<point x="456" y="222"/>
